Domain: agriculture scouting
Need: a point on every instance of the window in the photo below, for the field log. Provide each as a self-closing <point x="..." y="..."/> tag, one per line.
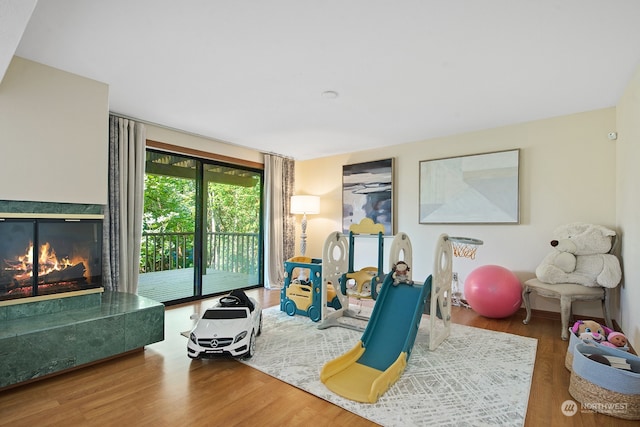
<point x="201" y="227"/>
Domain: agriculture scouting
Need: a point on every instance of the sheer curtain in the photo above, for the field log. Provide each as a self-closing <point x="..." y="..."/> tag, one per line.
<point x="123" y="216"/>
<point x="279" y="224"/>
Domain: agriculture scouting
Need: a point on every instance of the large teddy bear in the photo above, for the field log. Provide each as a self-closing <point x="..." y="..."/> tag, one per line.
<point x="581" y="256"/>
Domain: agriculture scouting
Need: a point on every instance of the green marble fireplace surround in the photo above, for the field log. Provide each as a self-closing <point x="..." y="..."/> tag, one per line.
<point x="24" y="209"/>
<point x="45" y="337"/>
<point x="49" y="334"/>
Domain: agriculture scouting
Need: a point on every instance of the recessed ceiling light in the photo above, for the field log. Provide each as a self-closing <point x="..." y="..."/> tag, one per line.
<point x="330" y="94"/>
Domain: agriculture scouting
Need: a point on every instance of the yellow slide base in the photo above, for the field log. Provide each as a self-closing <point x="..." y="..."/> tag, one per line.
<point x="354" y="383"/>
<point x="357" y="382"/>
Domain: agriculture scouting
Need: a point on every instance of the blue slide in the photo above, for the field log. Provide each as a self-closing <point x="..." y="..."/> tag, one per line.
<point x="366" y="371"/>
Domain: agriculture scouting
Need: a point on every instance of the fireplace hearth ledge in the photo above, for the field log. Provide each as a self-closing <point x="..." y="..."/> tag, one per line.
<point x="52" y="336"/>
<point x="55" y="296"/>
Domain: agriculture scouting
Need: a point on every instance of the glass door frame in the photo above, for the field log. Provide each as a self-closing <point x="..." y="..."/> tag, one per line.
<point x="200" y="232"/>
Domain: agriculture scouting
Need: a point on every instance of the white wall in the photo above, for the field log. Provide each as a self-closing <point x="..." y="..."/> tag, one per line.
<point x="628" y="206"/>
<point x="53" y="135"/>
<point x="567" y="174"/>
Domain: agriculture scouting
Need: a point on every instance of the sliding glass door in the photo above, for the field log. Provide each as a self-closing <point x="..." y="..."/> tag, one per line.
<point x="232" y="240"/>
<point x="201" y="228"/>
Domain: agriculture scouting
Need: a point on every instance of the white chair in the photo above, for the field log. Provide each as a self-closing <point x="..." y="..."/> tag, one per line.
<point x="567" y="293"/>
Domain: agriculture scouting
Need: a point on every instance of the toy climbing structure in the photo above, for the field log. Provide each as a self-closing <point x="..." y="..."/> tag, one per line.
<point x="335" y="263"/>
<point x="300" y="293"/>
<point x="365" y="281"/>
<point x="314" y="286"/>
<point x="338" y="271"/>
<point x="376" y="362"/>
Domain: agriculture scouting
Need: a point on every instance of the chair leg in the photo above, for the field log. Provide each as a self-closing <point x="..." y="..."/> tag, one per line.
<point x="605" y="308"/>
<point x="565" y="314"/>
<point x="527" y="304"/>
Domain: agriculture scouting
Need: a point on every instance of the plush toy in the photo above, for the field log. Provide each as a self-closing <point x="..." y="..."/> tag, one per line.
<point x="615" y="340"/>
<point x="401" y="273"/>
<point x="580" y="255"/>
<point x="599" y="358"/>
<point x="590" y="329"/>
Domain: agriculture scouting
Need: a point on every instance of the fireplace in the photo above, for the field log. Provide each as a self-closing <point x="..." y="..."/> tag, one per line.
<point x="48" y="256"/>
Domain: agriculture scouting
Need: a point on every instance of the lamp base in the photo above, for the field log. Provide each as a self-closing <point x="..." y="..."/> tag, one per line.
<point x="303" y="236"/>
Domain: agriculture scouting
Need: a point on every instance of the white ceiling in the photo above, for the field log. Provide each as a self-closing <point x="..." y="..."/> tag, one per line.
<point x="252" y="73"/>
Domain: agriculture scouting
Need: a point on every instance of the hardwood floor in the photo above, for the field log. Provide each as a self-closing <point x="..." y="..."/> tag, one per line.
<point x="160" y="386"/>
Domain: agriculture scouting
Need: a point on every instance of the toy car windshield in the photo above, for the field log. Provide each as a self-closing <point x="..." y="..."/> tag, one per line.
<point x="225" y="314"/>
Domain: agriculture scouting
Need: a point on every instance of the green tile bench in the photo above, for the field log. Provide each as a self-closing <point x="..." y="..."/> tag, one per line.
<point x="41" y="338"/>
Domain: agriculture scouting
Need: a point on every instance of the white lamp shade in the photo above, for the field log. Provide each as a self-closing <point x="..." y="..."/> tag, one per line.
<point x="305" y="204"/>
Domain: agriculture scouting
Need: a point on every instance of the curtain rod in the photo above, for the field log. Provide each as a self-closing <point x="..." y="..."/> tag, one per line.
<point x="124" y="116"/>
<point x="271" y="153"/>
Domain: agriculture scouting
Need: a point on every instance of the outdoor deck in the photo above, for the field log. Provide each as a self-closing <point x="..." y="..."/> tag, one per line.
<point x="171" y="285"/>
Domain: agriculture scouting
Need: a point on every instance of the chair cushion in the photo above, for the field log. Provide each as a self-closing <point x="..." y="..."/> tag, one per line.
<point x="567" y="289"/>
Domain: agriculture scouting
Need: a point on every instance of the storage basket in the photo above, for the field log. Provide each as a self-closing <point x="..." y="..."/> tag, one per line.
<point x="573" y="340"/>
<point x="603" y="388"/>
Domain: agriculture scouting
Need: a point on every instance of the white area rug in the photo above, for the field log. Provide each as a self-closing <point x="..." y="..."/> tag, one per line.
<point x="475" y="378"/>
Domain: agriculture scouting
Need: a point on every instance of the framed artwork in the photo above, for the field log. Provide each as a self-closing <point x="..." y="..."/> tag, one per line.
<point x="475" y="189"/>
<point x="367" y="192"/>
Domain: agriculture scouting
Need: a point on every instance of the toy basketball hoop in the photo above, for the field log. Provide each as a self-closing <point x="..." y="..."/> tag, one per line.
<point x="465" y="247"/>
<point x="462" y="247"/>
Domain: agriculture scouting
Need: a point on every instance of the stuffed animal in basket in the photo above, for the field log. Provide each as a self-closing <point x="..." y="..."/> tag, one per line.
<point x="580" y="255"/>
<point x="590" y="330"/>
<point x="615" y="340"/>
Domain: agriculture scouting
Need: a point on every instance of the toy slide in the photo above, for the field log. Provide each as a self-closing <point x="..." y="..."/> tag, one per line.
<point x="366" y="371"/>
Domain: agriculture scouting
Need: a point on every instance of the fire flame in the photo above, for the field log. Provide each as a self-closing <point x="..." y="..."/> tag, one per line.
<point x="47" y="262"/>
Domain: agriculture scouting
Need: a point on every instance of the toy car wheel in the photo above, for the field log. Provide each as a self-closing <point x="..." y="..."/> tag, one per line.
<point x="314" y="313"/>
<point x="260" y="326"/>
<point x="290" y="307"/>
<point x="252" y="346"/>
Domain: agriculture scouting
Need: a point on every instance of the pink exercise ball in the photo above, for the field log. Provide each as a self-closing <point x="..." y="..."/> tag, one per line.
<point x="493" y="291"/>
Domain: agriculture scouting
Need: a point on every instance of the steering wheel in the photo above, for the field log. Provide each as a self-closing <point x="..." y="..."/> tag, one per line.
<point x="229" y="300"/>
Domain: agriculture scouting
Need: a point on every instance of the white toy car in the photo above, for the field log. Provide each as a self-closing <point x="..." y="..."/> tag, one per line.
<point x="229" y="328"/>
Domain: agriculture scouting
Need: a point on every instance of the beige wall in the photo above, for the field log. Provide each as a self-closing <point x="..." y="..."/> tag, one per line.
<point x="53" y="134"/>
<point x="58" y="123"/>
<point x="174" y="137"/>
<point x="567" y="174"/>
<point x="628" y="206"/>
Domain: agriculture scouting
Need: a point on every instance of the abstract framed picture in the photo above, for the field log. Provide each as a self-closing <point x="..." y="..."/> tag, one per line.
<point x="474" y="189"/>
<point x="367" y="192"/>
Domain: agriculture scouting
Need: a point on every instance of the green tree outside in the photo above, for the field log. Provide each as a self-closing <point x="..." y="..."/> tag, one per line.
<point x="169" y="204"/>
<point x="169" y="207"/>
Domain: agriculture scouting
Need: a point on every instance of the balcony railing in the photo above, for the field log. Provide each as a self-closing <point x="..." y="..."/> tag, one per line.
<point x="232" y="252"/>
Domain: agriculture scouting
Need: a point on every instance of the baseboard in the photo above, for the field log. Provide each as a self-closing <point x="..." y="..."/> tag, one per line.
<point x="551" y="315"/>
<point x="555" y="315"/>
